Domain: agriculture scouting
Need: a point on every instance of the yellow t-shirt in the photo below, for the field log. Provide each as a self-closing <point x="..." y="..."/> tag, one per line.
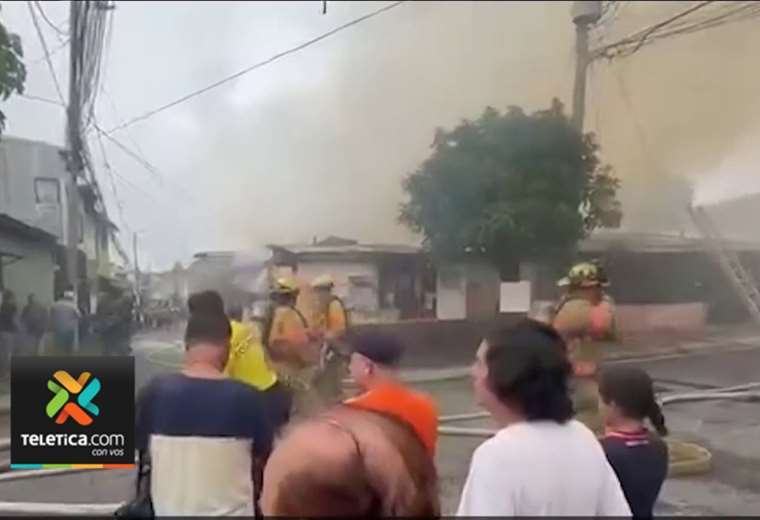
<point x="247" y="361"/>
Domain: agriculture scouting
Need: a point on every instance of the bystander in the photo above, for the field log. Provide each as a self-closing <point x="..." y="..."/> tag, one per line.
<point x="64" y="323"/>
<point x="8" y="330"/>
<point x="207" y="435"/>
<point x="541" y="461"/>
<point x="374" y="362"/>
<point x="34" y="319"/>
<point x="638" y="456"/>
<point x="351" y="463"/>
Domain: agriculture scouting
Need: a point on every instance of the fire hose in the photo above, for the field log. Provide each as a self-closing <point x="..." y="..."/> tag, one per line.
<point x="686" y="458"/>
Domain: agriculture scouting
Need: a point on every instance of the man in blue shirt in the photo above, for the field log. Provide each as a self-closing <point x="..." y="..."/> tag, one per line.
<point x="207" y="435"/>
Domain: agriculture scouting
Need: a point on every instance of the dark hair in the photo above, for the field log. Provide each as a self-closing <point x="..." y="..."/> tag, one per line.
<point x="376" y="467"/>
<point x="383" y="349"/>
<point x="235" y="312"/>
<point x="527" y="368"/>
<point x="211" y="328"/>
<point x="207" y="302"/>
<point x="631" y="389"/>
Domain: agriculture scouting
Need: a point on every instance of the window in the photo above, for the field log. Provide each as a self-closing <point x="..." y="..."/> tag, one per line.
<point x="47" y="191"/>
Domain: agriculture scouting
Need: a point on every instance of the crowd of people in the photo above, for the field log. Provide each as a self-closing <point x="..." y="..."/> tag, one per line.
<point x="60" y="328"/>
<point x="246" y="428"/>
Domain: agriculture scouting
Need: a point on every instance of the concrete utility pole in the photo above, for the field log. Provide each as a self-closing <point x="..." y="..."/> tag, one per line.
<point x="74" y="166"/>
<point x="585" y="14"/>
<point x="137" y="272"/>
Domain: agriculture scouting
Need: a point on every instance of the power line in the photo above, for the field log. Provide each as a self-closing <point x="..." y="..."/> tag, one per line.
<point x="669" y="21"/>
<point x="109" y="171"/>
<point x="677" y="25"/>
<point x="43" y="100"/>
<point x="55" y="50"/>
<point x="258" y="65"/>
<point x="61" y="33"/>
<point x="142" y="160"/>
<point x="45" y="49"/>
<point x="744" y="12"/>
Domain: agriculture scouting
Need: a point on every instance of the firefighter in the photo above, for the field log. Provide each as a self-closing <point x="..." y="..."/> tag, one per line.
<point x="330" y="323"/>
<point x="585" y="318"/>
<point x="292" y="348"/>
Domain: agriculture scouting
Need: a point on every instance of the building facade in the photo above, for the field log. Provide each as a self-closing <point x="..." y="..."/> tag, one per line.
<point x="37" y="189"/>
<point x="377" y="282"/>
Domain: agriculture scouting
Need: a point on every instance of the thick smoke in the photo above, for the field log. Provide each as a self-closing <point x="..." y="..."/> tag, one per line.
<point x="326" y="156"/>
<point x="692" y="113"/>
<point x="318" y="142"/>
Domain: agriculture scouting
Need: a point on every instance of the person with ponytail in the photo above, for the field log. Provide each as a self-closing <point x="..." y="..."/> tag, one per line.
<point x="638" y="456"/>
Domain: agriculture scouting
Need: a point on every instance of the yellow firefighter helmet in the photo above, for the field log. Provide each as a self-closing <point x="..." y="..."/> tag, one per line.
<point x="324" y="281"/>
<point x="284" y="285"/>
<point x="584" y="274"/>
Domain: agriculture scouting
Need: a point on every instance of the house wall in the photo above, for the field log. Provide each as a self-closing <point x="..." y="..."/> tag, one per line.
<point x="680" y="318"/>
<point x="483" y="288"/>
<point x="451" y="289"/>
<point x="33" y="273"/>
<point x="21" y="162"/>
<point x="468" y="290"/>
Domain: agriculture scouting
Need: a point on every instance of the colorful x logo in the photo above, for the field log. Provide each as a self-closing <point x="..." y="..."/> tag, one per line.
<point x="69" y="386"/>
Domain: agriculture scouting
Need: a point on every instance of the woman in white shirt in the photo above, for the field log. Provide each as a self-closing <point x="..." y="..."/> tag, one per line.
<point x="541" y="461"/>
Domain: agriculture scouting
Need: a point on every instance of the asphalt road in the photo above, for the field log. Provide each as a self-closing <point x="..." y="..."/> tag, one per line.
<point x="731" y="430"/>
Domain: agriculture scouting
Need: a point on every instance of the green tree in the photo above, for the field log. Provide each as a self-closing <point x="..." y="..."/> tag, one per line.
<point x="510" y="187"/>
<point x="12" y="69"/>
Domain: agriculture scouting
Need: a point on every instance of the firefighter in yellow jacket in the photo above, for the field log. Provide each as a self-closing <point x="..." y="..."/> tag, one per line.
<point x="291" y="346"/>
<point x="585" y="318"/>
<point x="329" y="323"/>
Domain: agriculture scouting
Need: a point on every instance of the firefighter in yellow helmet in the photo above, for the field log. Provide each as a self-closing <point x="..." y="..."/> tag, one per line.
<point x="585" y="318"/>
<point x="291" y="347"/>
<point x="330" y="323"/>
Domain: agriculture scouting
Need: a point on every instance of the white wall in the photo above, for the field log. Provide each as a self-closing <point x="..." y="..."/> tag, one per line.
<point x="451" y="289"/>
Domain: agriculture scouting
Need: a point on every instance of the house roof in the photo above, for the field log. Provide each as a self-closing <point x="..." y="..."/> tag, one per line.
<point x="348" y="249"/>
<point x="604" y="240"/>
<point x="11" y="225"/>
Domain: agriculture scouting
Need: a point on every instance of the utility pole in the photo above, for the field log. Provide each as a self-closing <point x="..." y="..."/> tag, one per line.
<point x="73" y="162"/>
<point x="585" y="14"/>
<point x="138" y="293"/>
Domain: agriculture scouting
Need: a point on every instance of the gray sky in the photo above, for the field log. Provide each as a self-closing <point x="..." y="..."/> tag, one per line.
<point x="317" y="142"/>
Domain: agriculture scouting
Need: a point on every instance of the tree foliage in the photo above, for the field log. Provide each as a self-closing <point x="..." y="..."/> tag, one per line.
<point x="12" y="69"/>
<point x="510" y="186"/>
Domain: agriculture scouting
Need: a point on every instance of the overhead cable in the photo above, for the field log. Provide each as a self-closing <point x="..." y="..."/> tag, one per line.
<point x="36" y="23"/>
<point x="232" y="77"/>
